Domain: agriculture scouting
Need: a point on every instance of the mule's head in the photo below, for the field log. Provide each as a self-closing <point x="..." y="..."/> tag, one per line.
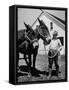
<point x="44" y="32"/>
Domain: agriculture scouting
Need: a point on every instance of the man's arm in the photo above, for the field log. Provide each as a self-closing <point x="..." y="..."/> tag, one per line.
<point x="59" y="45"/>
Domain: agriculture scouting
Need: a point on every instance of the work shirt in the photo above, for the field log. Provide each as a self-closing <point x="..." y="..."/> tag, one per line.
<point x="55" y="44"/>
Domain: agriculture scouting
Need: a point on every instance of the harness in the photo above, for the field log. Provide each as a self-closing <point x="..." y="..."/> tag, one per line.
<point x="29" y="38"/>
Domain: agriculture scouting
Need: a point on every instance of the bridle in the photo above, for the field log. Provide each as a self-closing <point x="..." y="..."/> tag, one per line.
<point x="29" y="38"/>
<point x="41" y="34"/>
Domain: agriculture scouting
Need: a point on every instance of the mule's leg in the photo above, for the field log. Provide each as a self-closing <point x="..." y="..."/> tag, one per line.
<point x="26" y="59"/>
<point x="34" y="57"/>
<point x="17" y="63"/>
<point x="29" y="56"/>
<point x="34" y="60"/>
<point x="30" y="69"/>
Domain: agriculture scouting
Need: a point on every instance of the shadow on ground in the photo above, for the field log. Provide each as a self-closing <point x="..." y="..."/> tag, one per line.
<point x="34" y="72"/>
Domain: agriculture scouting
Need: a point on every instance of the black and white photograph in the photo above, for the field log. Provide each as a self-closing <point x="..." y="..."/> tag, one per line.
<point x="34" y="45"/>
<point x="41" y="45"/>
<point x="38" y="37"/>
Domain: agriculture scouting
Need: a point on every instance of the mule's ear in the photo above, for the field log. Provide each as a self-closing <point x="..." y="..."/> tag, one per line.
<point x="25" y="25"/>
<point x="39" y="20"/>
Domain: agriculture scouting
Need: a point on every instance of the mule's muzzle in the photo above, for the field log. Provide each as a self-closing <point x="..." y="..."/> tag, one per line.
<point x="47" y="40"/>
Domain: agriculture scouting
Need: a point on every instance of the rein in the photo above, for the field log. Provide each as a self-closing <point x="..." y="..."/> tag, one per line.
<point x="53" y="55"/>
<point x="27" y="37"/>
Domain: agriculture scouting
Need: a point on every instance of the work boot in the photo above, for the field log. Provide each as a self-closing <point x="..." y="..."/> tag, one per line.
<point x="58" y="74"/>
<point x="50" y="71"/>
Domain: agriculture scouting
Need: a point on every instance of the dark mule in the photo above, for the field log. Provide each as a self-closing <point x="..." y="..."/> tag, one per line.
<point x="28" y="45"/>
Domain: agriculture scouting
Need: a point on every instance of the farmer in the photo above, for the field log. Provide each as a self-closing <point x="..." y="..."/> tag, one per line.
<point x="54" y="48"/>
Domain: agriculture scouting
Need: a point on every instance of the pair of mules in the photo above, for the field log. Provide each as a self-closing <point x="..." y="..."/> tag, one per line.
<point x="28" y="42"/>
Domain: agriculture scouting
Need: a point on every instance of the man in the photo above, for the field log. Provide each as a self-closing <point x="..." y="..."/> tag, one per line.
<point x="54" y="48"/>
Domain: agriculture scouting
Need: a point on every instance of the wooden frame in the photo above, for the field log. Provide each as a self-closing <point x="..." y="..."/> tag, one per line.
<point x="13" y="48"/>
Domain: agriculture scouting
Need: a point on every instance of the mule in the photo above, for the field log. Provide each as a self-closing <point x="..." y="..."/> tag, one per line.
<point x="28" y="45"/>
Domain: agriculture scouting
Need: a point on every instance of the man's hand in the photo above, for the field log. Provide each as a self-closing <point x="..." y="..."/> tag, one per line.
<point x="59" y="49"/>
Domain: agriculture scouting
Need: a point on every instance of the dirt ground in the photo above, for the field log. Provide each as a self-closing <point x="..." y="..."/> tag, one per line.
<point x="41" y="72"/>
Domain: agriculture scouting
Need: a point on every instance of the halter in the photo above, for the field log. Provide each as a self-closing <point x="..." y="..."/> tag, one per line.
<point x="29" y="38"/>
<point x="41" y="34"/>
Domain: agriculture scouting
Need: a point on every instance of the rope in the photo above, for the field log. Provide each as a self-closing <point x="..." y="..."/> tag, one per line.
<point x="41" y="34"/>
<point x="54" y="54"/>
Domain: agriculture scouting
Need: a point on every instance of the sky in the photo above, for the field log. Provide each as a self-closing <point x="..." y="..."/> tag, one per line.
<point x="30" y="15"/>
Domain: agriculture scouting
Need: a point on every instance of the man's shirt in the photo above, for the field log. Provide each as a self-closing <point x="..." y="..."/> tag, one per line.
<point x="55" y="44"/>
